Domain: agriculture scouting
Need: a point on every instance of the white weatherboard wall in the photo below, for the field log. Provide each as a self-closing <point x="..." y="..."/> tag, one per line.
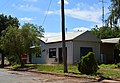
<point x="69" y="46"/>
<point x="43" y="59"/>
<point x="86" y="40"/>
<point x="77" y="45"/>
<point x="69" y="52"/>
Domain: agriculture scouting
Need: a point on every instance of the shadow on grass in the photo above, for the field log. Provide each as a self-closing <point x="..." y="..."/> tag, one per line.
<point x="2" y="66"/>
<point x="97" y="75"/>
<point x="74" y="73"/>
<point x="24" y="68"/>
<point x="101" y="77"/>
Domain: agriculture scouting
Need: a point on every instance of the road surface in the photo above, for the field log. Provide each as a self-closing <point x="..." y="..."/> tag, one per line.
<point x="7" y="76"/>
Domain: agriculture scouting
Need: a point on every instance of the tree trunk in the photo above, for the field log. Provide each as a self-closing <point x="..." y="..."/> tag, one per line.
<point x="2" y="62"/>
<point x="21" y="61"/>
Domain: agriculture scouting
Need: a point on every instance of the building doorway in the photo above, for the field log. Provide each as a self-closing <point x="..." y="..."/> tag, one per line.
<point x="85" y="50"/>
<point x="60" y="54"/>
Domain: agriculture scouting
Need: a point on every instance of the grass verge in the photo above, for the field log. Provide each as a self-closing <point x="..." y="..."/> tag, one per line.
<point x="107" y="71"/>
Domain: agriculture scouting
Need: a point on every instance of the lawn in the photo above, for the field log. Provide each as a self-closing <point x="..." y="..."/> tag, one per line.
<point x="107" y="71"/>
<point x="56" y="68"/>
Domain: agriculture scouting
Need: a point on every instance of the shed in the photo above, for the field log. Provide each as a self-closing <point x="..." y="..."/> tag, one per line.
<point x="109" y="51"/>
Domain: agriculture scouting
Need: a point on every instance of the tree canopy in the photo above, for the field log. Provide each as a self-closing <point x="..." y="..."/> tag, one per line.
<point x="6" y="21"/>
<point x="106" y="32"/>
<point x="112" y="28"/>
<point x="17" y="41"/>
<point x="114" y="16"/>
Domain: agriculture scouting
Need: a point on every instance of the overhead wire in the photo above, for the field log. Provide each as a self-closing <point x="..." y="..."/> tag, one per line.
<point x="46" y="13"/>
<point x="12" y="9"/>
<point x="5" y="6"/>
<point x="17" y="4"/>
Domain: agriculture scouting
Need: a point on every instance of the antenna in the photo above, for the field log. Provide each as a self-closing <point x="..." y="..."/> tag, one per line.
<point x="103" y="12"/>
<point x="66" y="30"/>
<point x="103" y="18"/>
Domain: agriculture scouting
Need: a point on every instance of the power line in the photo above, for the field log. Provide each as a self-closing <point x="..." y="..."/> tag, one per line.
<point x="5" y="7"/>
<point x="47" y="12"/>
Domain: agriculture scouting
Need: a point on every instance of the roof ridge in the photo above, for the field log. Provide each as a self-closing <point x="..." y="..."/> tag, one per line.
<point x="68" y="36"/>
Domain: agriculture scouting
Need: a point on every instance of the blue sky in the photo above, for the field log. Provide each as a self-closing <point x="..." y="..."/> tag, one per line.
<point x="80" y="14"/>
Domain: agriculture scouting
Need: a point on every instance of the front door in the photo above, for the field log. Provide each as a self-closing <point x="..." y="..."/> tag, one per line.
<point x="60" y="55"/>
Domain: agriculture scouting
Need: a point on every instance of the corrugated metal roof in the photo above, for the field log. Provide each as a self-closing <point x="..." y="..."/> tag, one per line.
<point x="69" y="36"/>
<point x="111" y="40"/>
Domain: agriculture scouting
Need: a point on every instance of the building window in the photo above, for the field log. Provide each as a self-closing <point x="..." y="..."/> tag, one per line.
<point x="52" y="53"/>
<point x="38" y="54"/>
<point x="85" y="50"/>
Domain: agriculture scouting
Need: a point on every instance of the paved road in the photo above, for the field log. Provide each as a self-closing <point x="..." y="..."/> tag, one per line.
<point x="29" y="77"/>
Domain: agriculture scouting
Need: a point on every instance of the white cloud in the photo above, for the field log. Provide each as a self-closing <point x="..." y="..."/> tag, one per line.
<point x="52" y="12"/>
<point x="26" y="19"/>
<point x="26" y="7"/>
<point x="80" y="29"/>
<point x="51" y="34"/>
<point x="88" y="15"/>
<point x="94" y="25"/>
<point x="65" y="2"/>
<point x="49" y="12"/>
<point x="84" y="12"/>
<point x="99" y="25"/>
<point x="31" y="0"/>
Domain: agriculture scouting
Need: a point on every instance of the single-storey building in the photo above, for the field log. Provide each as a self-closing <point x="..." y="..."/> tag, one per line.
<point x="78" y="44"/>
<point x="109" y="52"/>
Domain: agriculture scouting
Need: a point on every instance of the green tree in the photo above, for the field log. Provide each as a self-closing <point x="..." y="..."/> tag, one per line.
<point x="112" y="28"/>
<point x="114" y="16"/>
<point x="5" y="22"/>
<point x="17" y="42"/>
<point x="106" y="32"/>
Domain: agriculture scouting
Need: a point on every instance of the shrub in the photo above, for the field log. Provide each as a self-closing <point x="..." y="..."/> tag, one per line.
<point x="88" y="64"/>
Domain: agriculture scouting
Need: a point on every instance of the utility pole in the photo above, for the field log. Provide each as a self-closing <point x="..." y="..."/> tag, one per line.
<point x="63" y="37"/>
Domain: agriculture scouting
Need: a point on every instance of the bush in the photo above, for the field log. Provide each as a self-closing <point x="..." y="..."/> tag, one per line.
<point x="88" y="64"/>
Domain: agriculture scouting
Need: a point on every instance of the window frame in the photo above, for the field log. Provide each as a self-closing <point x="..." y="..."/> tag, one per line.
<point x="38" y="55"/>
<point x="85" y="50"/>
<point x="52" y="52"/>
